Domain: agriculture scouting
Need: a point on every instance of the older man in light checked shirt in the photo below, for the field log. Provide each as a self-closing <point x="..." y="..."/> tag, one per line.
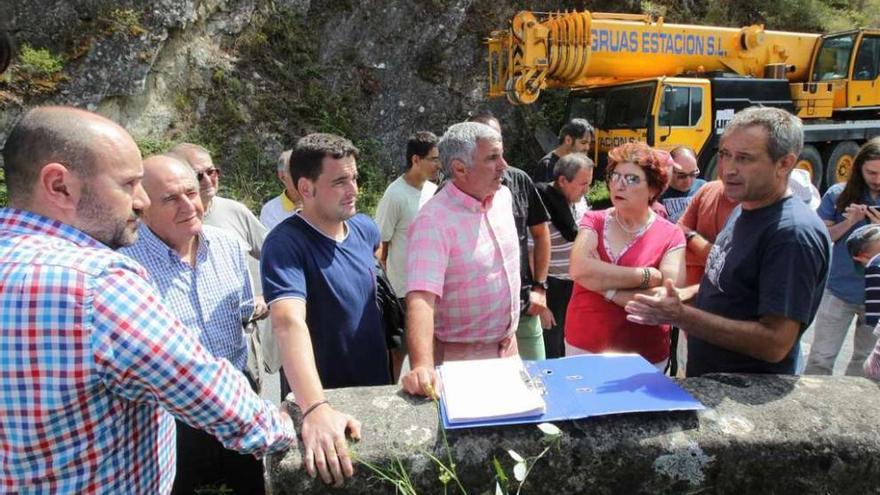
<point x="463" y="261"/>
<point x="201" y="273"/>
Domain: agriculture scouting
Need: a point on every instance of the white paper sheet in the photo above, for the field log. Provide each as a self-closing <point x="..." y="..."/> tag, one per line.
<point x="488" y="389"/>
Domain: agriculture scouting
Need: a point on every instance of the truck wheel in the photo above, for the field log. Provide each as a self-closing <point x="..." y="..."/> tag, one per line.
<point x="840" y="162"/>
<point x="811" y="161"/>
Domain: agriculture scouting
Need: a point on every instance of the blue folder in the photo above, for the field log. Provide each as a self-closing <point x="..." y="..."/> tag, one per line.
<point x="579" y="387"/>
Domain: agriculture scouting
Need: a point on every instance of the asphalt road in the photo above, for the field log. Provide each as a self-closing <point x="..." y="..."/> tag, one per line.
<point x="842" y="358"/>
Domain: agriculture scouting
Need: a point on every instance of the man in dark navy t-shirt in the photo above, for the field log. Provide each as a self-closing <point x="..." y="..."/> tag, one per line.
<point x="320" y="283"/>
<point x="766" y="272"/>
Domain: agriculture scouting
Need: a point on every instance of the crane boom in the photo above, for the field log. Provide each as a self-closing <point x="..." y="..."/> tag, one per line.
<point x="580" y="49"/>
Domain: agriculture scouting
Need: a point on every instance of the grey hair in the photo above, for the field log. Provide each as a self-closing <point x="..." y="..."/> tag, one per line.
<point x="283" y="161"/>
<point x="569" y="165"/>
<point x="860" y="238"/>
<point x="460" y="141"/>
<point x="785" y="132"/>
<point x="189" y="151"/>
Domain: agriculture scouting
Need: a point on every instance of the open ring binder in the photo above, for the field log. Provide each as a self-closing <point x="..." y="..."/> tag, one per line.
<point x="505" y="391"/>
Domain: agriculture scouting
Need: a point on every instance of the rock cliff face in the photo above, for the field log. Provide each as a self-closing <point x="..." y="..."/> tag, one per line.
<point x="248" y="77"/>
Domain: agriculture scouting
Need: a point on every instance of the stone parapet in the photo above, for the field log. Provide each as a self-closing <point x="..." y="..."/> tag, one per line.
<point x="759" y="434"/>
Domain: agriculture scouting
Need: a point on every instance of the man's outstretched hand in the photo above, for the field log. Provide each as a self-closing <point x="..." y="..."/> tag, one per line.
<point x="663" y="308"/>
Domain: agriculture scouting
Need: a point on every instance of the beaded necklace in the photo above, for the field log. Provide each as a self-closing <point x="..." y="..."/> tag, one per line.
<point x="638" y="230"/>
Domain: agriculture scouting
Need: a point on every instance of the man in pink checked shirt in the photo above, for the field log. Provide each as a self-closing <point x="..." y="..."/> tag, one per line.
<point x="463" y="262"/>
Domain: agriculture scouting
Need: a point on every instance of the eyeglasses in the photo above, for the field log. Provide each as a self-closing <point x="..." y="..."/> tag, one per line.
<point x="211" y="172"/>
<point x="628" y="179"/>
<point x="691" y="175"/>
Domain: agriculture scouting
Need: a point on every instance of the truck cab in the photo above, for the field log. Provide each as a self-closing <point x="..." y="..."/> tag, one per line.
<point x="665" y="112"/>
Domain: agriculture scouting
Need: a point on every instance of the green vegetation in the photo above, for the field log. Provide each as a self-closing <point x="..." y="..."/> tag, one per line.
<point x="787" y="15"/>
<point x="398" y="476"/>
<point x="4" y="195"/>
<point x="36" y="72"/>
<point x="598" y="195"/>
<point x="38" y="62"/>
<point x="152" y="146"/>
<point x="123" y="21"/>
<point x="287" y="99"/>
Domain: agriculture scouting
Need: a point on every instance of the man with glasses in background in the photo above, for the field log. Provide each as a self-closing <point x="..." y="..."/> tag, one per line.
<point x="683" y="182"/>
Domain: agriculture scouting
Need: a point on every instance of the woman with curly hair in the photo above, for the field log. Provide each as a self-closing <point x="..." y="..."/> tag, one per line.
<point x="622" y="251"/>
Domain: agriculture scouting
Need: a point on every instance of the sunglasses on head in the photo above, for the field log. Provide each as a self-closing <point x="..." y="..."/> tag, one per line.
<point x="211" y="172"/>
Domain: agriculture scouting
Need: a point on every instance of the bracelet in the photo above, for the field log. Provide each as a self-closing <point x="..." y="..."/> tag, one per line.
<point x="313" y="407"/>
<point x="646" y="278"/>
<point x="610" y="293"/>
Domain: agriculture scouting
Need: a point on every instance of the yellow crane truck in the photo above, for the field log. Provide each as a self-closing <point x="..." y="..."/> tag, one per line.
<point x="636" y="78"/>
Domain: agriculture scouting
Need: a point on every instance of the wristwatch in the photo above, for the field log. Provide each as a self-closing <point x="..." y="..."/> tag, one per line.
<point x="542" y="285"/>
<point x="690" y="235"/>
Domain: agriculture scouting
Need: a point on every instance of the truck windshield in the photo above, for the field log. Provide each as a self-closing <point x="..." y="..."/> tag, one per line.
<point x="832" y="61"/>
<point x="622" y="107"/>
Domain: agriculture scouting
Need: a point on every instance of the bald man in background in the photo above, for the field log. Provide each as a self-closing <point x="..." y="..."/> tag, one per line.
<point x="236" y="218"/>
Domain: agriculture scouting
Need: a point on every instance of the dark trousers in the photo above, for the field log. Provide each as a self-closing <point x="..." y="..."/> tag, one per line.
<point x="558" y="295"/>
<point x="203" y="462"/>
<point x="283" y="385"/>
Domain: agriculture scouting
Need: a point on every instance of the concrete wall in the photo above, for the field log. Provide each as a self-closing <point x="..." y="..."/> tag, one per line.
<point x="759" y="434"/>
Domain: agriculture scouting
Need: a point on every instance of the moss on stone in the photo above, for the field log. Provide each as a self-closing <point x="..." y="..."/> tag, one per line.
<point x="125" y="22"/>
<point x="38" y="62"/>
<point x="36" y="72"/>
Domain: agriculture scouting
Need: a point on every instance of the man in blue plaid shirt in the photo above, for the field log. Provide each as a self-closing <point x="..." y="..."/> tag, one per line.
<point x="91" y="361"/>
<point x="201" y="273"/>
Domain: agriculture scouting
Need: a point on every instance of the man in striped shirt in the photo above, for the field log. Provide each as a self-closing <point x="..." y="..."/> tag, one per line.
<point x="201" y="273"/>
<point x="564" y="198"/>
<point x="91" y="361"/>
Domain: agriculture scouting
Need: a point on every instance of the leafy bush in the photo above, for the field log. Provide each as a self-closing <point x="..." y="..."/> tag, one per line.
<point x="38" y="62"/>
<point x="598" y="194"/>
<point x="152" y="146"/>
<point x="125" y="21"/>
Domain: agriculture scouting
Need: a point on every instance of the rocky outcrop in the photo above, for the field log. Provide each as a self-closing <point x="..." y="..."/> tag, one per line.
<point x="248" y="77"/>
